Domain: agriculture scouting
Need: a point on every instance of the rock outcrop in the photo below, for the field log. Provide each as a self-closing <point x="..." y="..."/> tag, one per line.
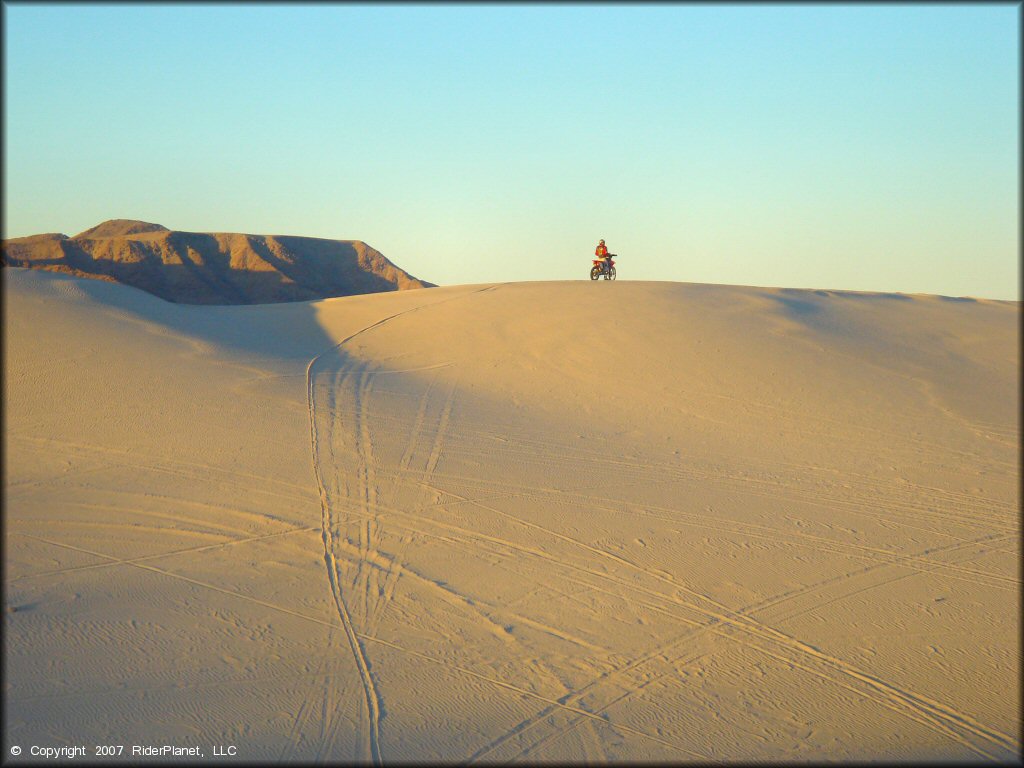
<point x="213" y="268"/>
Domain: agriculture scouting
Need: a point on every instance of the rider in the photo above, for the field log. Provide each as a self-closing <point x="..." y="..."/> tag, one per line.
<point x="602" y="253"/>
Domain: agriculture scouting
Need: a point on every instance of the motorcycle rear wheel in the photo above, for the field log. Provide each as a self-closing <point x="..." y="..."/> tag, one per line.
<point x="595" y="272"/>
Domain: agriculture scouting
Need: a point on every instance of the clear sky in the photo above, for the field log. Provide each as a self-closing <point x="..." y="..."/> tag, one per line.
<point x="861" y="147"/>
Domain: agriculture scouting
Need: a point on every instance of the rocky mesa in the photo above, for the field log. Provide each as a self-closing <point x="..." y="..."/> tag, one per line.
<point x="215" y="267"/>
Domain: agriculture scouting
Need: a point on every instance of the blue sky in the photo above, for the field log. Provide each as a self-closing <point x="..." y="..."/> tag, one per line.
<point x="861" y="147"/>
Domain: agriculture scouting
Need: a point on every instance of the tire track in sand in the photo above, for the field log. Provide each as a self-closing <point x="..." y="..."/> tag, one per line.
<point x="661" y="651"/>
<point x="593" y="751"/>
<point x="935" y="715"/>
<point x="394" y="569"/>
<point x="330" y="527"/>
<point x="371" y="699"/>
<point x="445" y="664"/>
<point x="745" y="629"/>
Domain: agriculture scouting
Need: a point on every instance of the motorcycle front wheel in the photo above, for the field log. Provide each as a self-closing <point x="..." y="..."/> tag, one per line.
<point x="595" y="273"/>
<point x="610" y="275"/>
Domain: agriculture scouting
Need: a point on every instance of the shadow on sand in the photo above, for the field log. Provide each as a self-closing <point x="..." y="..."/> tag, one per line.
<point x="283" y="330"/>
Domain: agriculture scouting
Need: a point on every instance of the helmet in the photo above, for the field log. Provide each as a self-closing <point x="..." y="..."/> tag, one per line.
<point x="602" y="242"/>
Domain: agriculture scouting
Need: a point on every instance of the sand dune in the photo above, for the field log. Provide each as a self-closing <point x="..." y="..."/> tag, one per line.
<point x="212" y="268"/>
<point x="565" y="521"/>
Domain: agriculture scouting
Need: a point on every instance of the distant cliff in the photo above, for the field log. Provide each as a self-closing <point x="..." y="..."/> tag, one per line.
<point x="213" y="268"/>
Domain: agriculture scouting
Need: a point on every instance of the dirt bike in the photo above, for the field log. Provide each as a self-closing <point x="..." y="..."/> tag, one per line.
<point x="600" y="269"/>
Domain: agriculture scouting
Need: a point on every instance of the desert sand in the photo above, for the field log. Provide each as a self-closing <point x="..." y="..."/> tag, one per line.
<point x="547" y="521"/>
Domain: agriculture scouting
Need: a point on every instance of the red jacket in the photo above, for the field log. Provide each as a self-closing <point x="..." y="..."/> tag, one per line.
<point x="601" y="251"/>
